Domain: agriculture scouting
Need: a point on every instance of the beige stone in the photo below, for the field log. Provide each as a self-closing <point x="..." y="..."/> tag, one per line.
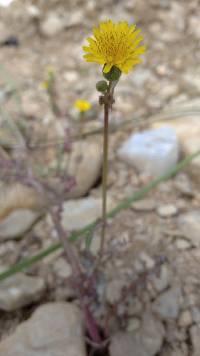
<point x="188" y="132"/>
<point x="79" y="213"/>
<point x="55" y="329"/>
<point x="19" y="291"/>
<point x="20" y="207"/>
<point x="84" y="164"/>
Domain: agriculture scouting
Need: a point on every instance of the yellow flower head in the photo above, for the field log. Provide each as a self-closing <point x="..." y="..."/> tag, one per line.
<point x="82" y="105"/>
<point x="115" y="44"/>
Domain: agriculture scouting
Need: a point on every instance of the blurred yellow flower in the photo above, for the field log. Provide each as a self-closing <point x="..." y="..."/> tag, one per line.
<point x="115" y="44"/>
<point x="44" y="85"/>
<point x="82" y="105"/>
<point x="49" y="78"/>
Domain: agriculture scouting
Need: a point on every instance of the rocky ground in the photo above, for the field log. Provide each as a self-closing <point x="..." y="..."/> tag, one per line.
<point x="153" y="247"/>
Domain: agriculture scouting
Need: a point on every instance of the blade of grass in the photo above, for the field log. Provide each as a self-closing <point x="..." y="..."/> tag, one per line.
<point x="26" y="263"/>
<point x="154" y="183"/>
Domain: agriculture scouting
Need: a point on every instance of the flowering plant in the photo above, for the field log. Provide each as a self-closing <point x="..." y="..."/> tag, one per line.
<point x="115" y="46"/>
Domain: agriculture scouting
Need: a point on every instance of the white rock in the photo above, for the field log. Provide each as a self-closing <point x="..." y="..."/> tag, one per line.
<point x="33" y="12"/>
<point x="75" y="18"/>
<point x="167" y="210"/>
<point x="19" y="291"/>
<point x="55" y="329"/>
<point x="71" y="76"/>
<point x="182" y="244"/>
<point x="168" y="304"/>
<point x="52" y="25"/>
<point x="6" y="2"/>
<point x="81" y="212"/>
<point x="189" y="225"/>
<point x="147" y="341"/>
<point x="153" y="152"/>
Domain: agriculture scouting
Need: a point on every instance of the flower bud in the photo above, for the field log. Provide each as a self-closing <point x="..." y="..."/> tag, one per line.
<point x="102" y="86"/>
<point x="113" y="75"/>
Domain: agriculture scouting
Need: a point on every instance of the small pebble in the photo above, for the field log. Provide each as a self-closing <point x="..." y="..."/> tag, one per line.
<point x="162" y="281"/>
<point x="182" y="244"/>
<point x="62" y="268"/>
<point x="133" y="324"/>
<point x="20" y="290"/>
<point x="168" y="304"/>
<point x="185" y="318"/>
<point x="147" y="260"/>
<point x="167" y="211"/>
<point x="144" y="205"/>
<point x="114" y="290"/>
<point x="183" y="185"/>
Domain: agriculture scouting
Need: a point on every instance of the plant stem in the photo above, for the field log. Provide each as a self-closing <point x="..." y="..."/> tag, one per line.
<point x="126" y="203"/>
<point x="67" y="246"/>
<point x="91" y="325"/>
<point x="105" y="174"/>
<point x="78" y="280"/>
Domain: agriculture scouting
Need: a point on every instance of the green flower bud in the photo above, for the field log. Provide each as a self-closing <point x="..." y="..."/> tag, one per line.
<point x="113" y="75"/>
<point x="102" y="86"/>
